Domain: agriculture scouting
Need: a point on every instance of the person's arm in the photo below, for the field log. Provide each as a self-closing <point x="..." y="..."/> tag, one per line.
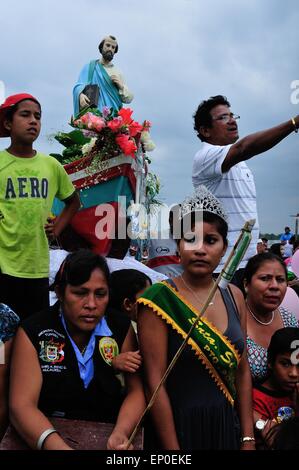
<point x="25" y="387"/>
<point x="54" y="228"/>
<point x="133" y="404"/>
<point x="5" y="352"/>
<point x="153" y="341"/>
<point x="243" y="380"/>
<point x="257" y="143"/>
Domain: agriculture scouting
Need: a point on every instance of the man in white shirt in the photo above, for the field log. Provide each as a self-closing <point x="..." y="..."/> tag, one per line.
<point x="103" y="73"/>
<point x="220" y="164"/>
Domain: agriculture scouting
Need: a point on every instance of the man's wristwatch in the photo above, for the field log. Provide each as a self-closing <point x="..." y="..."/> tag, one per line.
<point x="260" y="424"/>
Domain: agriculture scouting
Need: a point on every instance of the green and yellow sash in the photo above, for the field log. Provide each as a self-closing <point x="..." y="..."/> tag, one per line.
<point x="212" y="348"/>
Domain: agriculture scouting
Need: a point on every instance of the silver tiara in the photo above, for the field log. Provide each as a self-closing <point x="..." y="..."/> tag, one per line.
<point x="202" y="200"/>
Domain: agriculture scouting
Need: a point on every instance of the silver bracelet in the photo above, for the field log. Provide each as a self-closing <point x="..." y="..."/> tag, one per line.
<point x="247" y="439"/>
<point x="43" y="437"/>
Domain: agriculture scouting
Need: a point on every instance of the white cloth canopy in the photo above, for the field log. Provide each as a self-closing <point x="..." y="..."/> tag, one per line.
<point x="57" y="257"/>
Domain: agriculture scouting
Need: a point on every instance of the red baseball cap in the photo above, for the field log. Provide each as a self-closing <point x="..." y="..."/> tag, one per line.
<point x="12" y="101"/>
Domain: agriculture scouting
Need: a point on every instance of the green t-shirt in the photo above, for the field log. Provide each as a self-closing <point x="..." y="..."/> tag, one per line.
<point x="28" y="187"/>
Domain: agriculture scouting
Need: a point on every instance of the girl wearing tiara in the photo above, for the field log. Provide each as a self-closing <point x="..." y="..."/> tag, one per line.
<point x="206" y="400"/>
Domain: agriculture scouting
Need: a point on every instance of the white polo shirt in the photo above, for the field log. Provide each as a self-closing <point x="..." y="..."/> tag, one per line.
<point x="234" y="189"/>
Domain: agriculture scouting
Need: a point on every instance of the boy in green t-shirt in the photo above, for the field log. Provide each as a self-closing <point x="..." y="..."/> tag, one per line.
<point x="29" y="182"/>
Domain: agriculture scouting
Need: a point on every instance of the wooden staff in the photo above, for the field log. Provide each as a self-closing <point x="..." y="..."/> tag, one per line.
<point x="234" y="253"/>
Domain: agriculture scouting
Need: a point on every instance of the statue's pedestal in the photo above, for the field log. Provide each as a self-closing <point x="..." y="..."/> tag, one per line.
<point x="112" y="178"/>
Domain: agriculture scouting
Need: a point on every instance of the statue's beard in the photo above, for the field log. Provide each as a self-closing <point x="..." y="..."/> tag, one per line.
<point x="108" y="56"/>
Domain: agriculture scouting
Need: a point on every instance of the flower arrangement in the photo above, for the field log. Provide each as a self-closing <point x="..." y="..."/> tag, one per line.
<point x="100" y="136"/>
<point x="104" y="135"/>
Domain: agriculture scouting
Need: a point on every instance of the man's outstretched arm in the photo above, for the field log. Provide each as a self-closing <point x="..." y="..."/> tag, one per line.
<point x="258" y="142"/>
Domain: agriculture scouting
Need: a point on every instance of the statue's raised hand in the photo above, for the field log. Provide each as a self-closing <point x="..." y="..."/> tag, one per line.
<point x="117" y="81"/>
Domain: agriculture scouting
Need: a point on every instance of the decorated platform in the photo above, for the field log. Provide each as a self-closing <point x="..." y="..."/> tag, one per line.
<point x="106" y="159"/>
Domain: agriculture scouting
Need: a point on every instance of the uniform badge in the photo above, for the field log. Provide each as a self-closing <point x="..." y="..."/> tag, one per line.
<point x="108" y="348"/>
<point x="52" y="352"/>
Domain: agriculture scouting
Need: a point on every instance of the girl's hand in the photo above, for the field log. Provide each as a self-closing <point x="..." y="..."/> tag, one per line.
<point x="127" y="362"/>
<point x="118" y="441"/>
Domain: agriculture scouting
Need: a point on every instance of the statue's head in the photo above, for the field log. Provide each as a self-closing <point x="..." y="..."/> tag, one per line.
<point x="108" y="47"/>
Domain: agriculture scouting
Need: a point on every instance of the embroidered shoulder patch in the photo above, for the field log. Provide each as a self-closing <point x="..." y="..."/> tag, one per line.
<point x="108" y="348"/>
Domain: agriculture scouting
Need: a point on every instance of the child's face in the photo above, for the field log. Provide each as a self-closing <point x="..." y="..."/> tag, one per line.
<point x="285" y="374"/>
<point x="26" y="123"/>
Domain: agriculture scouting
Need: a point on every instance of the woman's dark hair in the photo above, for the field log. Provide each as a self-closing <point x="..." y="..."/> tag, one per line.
<point x="281" y="342"/>
<point x="275" y="249"/>
<point x="257" y="261"/>
<point x="126" y="283"/>
<point x="202" y="116"/>
<point x="12" y="109"/>
<point x="205" y="216"/>
<point x="77" y="267"/>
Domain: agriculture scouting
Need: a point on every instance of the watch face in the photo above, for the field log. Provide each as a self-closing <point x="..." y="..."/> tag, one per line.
<point x="260" y="424"/>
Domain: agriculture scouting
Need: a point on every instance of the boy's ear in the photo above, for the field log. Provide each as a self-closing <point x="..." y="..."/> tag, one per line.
<point x="7" y="124"/>
<point x="127" y="304"/>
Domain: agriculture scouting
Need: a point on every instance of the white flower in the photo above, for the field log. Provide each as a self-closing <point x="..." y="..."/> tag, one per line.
<point x="146" y="141"/>
<point x="89" y="146"/>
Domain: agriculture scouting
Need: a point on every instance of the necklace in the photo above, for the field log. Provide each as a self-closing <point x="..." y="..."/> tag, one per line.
<point x="258" y="320"/>
<point x="192" y="292"/>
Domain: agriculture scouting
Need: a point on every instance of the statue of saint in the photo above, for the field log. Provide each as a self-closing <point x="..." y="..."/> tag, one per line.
<point x="108" y="84"/>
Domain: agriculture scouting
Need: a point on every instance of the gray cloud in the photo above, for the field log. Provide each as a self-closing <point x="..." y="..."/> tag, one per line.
<point x="173" y="54"/>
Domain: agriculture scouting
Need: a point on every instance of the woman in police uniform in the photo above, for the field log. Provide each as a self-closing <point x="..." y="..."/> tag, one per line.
<point x="61" y="364"/>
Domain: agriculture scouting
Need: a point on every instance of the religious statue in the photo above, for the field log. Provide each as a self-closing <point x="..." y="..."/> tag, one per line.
<point x="100" y="82"/>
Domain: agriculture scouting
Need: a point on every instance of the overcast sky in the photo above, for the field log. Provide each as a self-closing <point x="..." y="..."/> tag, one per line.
<point x="173" y="53"/>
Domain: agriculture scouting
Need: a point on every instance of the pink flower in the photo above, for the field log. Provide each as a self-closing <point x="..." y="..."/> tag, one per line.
<point x="147" y="125"/>
<point x="126" y="144"/>
<point x="84" y="119"/>
<point x="98" y="123"/>
<point x="115" y="124"/>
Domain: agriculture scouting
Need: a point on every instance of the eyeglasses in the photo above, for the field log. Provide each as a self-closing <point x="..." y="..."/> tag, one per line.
<point x="225" y="118"/>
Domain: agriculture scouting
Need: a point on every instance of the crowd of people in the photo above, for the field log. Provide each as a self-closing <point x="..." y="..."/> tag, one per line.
<point x="101" y="351"/>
